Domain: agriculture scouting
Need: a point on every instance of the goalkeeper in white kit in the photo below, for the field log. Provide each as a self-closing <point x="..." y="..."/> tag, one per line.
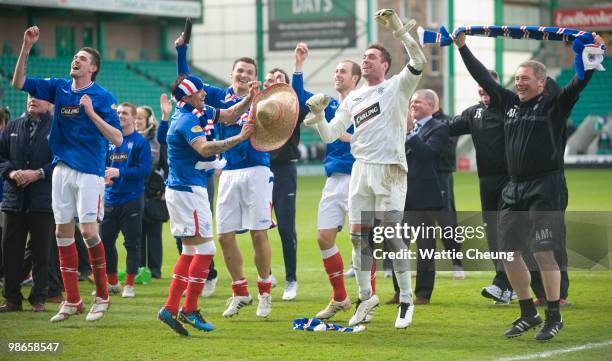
<point x="378" y="110"/>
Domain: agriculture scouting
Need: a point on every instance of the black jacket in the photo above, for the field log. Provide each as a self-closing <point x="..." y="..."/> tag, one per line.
<point x="447" y="162"/>
<point x="18" y="152"/>
<point x="422" y="153"/>
<point x="486" y="125"/>
<point x="289" y="151"/>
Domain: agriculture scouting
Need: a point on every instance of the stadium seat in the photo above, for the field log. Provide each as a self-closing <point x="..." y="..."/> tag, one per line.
<point x="594" y="99"/>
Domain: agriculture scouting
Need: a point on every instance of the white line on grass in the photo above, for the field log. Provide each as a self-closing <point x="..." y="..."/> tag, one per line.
<point x="587" y="346"/>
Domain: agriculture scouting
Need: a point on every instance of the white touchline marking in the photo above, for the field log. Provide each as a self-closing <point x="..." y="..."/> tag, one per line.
<point x="587" y="346"/>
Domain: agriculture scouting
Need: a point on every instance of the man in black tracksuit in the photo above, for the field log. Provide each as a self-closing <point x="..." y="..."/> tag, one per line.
<point x="485" y="122"/>
<point x="25" y="166"/>
<point x="531" y="216"/>
<point x="283" y="164"/>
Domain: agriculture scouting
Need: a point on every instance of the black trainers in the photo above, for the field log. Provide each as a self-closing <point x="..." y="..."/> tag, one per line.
<point x="522" y="325"/>
<point x="549" y="330"/>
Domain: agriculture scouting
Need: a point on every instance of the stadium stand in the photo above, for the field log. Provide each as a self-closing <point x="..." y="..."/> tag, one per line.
<point x="595" y="99"/>
<point x="138" y="82"/>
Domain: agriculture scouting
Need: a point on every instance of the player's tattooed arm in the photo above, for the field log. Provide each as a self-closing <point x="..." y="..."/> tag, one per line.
<point x="210" y="148"/>
<point x="232" y="114"/>
<point x="30" y="37"/>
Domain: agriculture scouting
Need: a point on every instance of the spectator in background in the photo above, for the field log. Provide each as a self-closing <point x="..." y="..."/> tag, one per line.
<point x="25" y="165"/>
<point x="5" y="115"/>
<point x="127" y="167"/>
<point x="155" y="211"/>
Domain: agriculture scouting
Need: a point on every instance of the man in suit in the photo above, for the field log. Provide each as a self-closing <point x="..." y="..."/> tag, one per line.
<point x="425" y="141"/>
<point x="25" y="166"/>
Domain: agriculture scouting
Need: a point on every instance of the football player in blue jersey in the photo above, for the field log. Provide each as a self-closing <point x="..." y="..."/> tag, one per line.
<point x="244" y="198"/>
<point x="85" y="120"/>
<point x="191" y="152"/>
<point x="128" y="167"/>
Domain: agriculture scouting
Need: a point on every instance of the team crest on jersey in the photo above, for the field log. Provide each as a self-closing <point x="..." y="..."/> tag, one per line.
<point x="70" y="111"/>
<point x="380" y="90"/>
<point x="196" y="129"/>
<point x="130" y="145"/>
<point x="511" y="113"/>
<point x="114" y="107"/>
<point x="367" y="114"/>
<point x="478" y="113"/>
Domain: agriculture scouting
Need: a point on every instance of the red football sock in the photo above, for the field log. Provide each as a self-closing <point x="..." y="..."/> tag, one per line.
<point x="112" y="279"/>
<point x="178" y="283"/>
<point x="335" y="272"/>
<point x="198" y="271"/>
<point x="240" y="287"/>
<point x="97" y="258"/>
<point x="129" y="279"/>
<point x="264" y="287"/>
<point x="69" y="264"/>
<point x="373" y="278"/>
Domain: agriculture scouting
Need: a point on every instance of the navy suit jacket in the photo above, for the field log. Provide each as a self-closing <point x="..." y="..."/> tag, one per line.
<point x="422" y="153"/>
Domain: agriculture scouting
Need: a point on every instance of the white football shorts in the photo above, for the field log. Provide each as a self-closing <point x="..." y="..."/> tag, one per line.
<point x="376" y="188"/>
<point x="189" y="212"/>
<point x="244" y="200"/>
<point x="333" y="206"/>
<point x="76" y="194"/>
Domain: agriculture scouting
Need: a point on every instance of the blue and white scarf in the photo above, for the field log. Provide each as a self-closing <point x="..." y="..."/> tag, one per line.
<point x="314" y="324"/>
<point x="588" y="55"/>
<point x="207" y="124"/>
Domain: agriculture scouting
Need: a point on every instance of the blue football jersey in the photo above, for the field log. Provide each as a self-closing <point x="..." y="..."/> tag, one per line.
<point x="338" y="157"/>
<point x="183" y="160"/>
<point x="243" y="155"/>
<point x="74" y="138"/>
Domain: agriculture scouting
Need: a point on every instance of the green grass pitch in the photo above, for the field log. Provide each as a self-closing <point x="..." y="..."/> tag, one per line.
<point x="458" y="325"/>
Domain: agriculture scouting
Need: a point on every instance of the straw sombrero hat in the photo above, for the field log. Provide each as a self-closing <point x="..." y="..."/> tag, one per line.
<point x="275" y="111"/>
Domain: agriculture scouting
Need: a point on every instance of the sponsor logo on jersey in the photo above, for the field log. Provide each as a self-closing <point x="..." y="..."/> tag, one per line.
<point x="119" y="157"/>
<point x="196" y="129"/>
<point x="367" y="114"/>
<point x="70" y="111"/>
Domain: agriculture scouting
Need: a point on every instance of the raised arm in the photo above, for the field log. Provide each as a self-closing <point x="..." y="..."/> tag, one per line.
<point x="30" y="37"/>
<point x="479" y="72"/>
<point x="297" y="82"/>
<point x="163" y="126"/>
<point x="181" y="56"/>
